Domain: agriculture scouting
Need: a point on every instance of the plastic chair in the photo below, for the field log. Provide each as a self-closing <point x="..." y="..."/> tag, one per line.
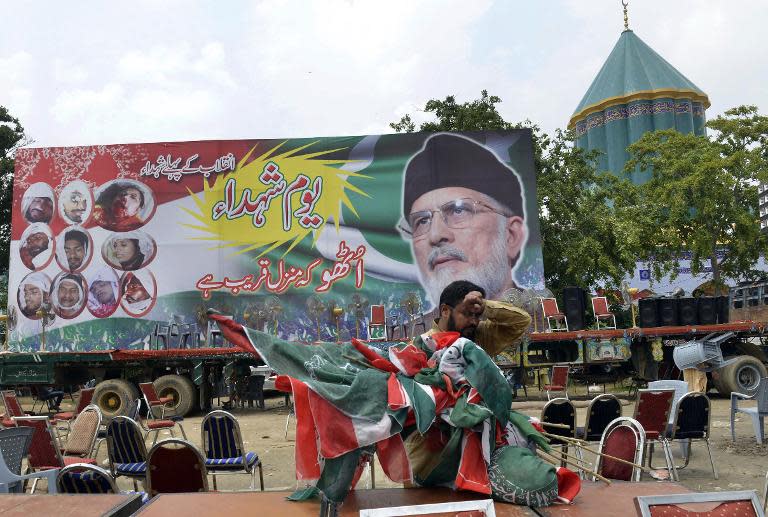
<point x="602" y="410"/>
<point x="602" y="312"/>
<point x="224" y="451"/>
<point x="9" y="481"/>
<point x="175" y="466"/>
<point x="757" y="413"/>
<point x="552" y="313"/>
<point x="126" y="451"/>
<point x="82" y="478"/>
<point x="559" y="381"/>
<point x="14" y="445"/>
<point x="652" y="411"/>
<point x="624" y="438"/>
<point x="692" y="423"/>
<point x="680" y="387"/>
<point x="82" y="436"/>
<point x="152" y="422"/>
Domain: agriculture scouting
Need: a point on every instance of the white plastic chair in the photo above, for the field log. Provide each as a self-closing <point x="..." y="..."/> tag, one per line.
<point x="8" y="478"/>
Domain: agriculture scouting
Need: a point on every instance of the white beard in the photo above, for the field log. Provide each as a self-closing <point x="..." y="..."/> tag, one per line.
<point x="492" y="274"/>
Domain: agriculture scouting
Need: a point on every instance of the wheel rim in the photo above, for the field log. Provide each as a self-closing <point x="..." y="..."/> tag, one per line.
<point x="748" y="377"/>
<point x="171" y="392"/>
<point x="110" y="402"/>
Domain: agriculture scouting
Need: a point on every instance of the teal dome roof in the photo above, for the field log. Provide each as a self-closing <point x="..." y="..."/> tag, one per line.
<point x="634" y="71"/>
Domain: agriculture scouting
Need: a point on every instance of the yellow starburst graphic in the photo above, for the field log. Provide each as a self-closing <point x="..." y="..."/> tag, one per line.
<point x="274" y="200"/>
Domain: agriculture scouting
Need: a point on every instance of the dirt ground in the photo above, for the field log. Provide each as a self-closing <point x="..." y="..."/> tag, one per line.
<point x="741" y="465"/>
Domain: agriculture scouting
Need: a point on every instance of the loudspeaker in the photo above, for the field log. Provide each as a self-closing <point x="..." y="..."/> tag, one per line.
<point x="649" y="316"/>
<point x="707" y="310"/>
<point x="688" y="311"/>
<point x="669" y="312"/>
<point x="723" y="309"/>
<point x="573" y="307"/>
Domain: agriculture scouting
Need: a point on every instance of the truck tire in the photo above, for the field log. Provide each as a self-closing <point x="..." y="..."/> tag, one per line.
<point x="114" y="397"/>
<point x="742" y="376"/>
<point x="181" y="389"/>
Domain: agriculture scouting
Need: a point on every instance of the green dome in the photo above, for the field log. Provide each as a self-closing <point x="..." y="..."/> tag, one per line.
<point x="634" y="71"/>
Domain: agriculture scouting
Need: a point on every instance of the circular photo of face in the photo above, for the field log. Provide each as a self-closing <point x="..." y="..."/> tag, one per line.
<point x="138" y="292"/>
<point x="74" y="249"/>
<point x="68" y="295"/>
<point x="123" y="205"/>
<point x="129" y="251"/>
<point x="36" y="246"/>
<point x="75" y="203"/>
<point x="103" y="291"/>
<point x="33" y="295"/>
<point x="37" y="203"/>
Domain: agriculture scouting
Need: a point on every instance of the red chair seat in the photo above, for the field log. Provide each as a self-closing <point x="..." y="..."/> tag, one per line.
<point x="652" y="435"/>
<point x="8" y="422"/>
<point x="67" y="415"/>
<point x="71" y="460"/>
<point x="165" y="400"/>
<point x="160" y="424"/>
<point x="554" y="387"/>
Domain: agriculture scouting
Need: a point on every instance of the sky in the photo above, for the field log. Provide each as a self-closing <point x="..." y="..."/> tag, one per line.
<point x="88" y="72"/>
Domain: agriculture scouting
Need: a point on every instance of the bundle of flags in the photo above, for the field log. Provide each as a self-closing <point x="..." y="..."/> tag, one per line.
<point x="435" y="411"/>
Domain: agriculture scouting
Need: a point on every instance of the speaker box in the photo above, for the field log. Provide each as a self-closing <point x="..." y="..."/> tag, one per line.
<point x="707" y="310"/>
<point x="688" y="311"/>
<point x="649" y="316"/>
<point x="669" y="312"/>
<point x="573" y="307"/>
<point x="723" y="309"/>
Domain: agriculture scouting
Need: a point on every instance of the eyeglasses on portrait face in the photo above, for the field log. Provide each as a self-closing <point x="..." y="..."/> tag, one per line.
<point x="456" y="214"/>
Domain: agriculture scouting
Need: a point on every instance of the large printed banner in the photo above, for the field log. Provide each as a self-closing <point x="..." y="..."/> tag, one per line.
<point x="113" y="244"/>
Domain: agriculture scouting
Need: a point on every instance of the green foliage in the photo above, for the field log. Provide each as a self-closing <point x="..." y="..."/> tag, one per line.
<point x="702" y="197"/>
<point x="11" y="137"/>
<point x="582" y="240"/>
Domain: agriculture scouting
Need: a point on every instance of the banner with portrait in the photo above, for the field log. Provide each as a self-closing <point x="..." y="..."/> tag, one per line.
<point x="113" y="245"/>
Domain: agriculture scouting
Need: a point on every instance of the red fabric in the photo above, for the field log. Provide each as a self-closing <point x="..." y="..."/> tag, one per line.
<point x="473" y="472"/>
<point x="444" y="339"/>
<point x="375" y="359"/>
<point x="159" y="424"/>
<point x="67" y="415"/>
<point x="396" y="397"/>
<point x="394" y="459"/>
<point x="174" y="469"/>
<point x="652" y="411"/>
<point x="410" y="360"/>
<point x="8" y="422"/>
<point x="553" y="387"/>
<point x="234" y="333"/>
<point x="560" y="376"/>
<point x="727" y="509"/>
<point x="12" y="405"/>
<point x="71" y="460"/>
<point x="621" y="443"/>
<point x="165" y="400"/>
<point x="335" y="429"/>
<point x="550" y="308"/>
<point x="42" y="450"/>
<point x="305" y="451"/>
<point x="568" y="484"/>
<point x="600" y="306"/>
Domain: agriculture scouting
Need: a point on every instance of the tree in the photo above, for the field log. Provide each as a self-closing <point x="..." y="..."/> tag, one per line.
<point x="701" y="199"/>
<point x="11" y="137"/>
<point x="582" y="241"/>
